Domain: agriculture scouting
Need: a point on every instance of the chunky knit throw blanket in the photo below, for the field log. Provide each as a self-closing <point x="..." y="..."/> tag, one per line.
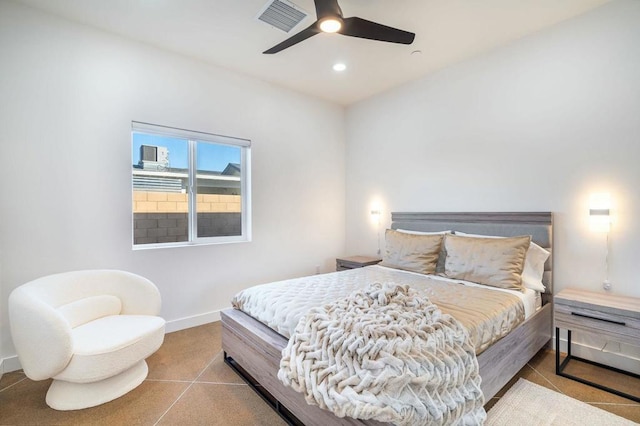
<point x="385" y="353"/>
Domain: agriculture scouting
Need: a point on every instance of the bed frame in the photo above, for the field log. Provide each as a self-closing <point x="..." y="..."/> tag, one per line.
<point x="254" y="350"/>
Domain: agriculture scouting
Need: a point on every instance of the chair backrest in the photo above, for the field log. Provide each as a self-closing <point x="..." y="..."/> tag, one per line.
<point x="137" y="294"/>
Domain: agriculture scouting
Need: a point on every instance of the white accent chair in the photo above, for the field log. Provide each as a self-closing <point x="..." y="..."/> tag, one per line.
<point x="88" y="330"/>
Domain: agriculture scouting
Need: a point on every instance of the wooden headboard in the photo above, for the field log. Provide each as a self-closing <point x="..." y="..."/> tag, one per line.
<point x="537" y="224"/>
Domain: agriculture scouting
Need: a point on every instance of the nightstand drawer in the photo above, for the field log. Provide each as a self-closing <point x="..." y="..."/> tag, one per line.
<point x="609" y="316"/>
<point x="610" y="326"/>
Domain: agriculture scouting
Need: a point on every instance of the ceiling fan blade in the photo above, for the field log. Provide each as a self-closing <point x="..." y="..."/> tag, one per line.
<point x="358" y="27"/>
<point x="295" y="39"/>
<point x="327" y="8"/>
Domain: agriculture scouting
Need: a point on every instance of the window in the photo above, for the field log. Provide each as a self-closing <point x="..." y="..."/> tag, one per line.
<point x="189" y="187"/>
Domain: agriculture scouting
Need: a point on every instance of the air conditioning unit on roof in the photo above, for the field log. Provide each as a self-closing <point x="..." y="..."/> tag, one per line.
<point x="154" y="157"/>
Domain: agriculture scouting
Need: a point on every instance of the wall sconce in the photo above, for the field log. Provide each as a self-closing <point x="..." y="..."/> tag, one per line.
<point x="600" y="212"/>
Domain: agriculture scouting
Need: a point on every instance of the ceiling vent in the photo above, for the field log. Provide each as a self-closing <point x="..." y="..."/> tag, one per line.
<point x="282" y="14"/>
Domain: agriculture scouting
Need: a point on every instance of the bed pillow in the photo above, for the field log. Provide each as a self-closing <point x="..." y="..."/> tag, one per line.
<point x="411" y="252"/>
<point x="442" y="255"/>
<point x="497" y="262"/>
<point x="533" y="263"/>
<point x="534" y="268"/>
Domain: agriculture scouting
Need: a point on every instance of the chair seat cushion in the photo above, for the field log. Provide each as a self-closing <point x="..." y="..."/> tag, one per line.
<point x="110" y="345"/>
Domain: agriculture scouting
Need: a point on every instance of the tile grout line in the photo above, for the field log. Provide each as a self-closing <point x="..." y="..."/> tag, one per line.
<point x="185" y="391"/>
<point x="174" y="403"/>
<point x="13" y="384"/>
<point x="544" y="377"/>
<point x="223" y="384"/>
<point x="586" y="402"/>
<point x="612" y="403"/>
<point x="190" y="381"/>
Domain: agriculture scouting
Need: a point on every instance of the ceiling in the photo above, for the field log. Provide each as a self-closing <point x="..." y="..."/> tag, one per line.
<point x="226" y="33"/>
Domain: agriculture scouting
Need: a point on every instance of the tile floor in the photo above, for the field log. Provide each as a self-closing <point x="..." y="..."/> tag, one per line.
<point x="189" y="384"/>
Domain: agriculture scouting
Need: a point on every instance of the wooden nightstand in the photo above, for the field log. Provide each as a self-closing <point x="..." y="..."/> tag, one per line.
<point x="612" y="317"/>
<point x="353" y="262"/>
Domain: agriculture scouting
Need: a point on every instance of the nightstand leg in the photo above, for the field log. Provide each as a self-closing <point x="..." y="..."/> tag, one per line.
<point x="561" y="365"/>
<point x="557" y="350"/>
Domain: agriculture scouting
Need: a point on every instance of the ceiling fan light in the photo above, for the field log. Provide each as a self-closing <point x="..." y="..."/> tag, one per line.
<point x="339" y="67"/>
<point x="330" y="25"/>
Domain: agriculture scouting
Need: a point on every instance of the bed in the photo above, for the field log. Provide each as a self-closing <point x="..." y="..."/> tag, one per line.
<point x="254" y="350"/>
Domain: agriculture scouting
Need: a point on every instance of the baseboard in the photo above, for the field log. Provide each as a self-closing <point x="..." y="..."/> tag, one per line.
<point x="613" y="359"/>
<point x="12" y="363"/>
<point x="192" y="321"/>
<point x="7" y="365"/>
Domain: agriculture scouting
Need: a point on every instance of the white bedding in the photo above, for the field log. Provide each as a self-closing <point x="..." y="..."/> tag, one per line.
<point x="280" y="305"/>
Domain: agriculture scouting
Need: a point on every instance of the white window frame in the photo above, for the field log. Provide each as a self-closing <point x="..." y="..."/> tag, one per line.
<point x="193" y="137"/>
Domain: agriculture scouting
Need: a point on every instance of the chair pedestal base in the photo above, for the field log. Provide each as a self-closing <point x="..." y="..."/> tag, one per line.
<point x="64" y="395"/>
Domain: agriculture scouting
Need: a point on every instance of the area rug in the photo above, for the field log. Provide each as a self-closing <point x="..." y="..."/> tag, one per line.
<point x="529" y="404"/>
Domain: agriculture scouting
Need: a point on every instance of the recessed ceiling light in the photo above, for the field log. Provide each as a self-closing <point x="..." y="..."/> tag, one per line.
<point x="416" y="53"/>
<point x="339" y="67"/>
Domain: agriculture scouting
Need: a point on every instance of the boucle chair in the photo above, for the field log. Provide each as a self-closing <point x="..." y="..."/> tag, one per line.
<point x="88" y="330"/>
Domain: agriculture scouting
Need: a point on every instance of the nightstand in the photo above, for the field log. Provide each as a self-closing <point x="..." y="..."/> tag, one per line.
<point x="353" y="262"/>
<point x="612" y="317"/>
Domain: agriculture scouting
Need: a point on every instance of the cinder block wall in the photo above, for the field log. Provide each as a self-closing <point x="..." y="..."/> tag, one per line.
<point x="161" y="217"/>
<point x="171" y="202"/>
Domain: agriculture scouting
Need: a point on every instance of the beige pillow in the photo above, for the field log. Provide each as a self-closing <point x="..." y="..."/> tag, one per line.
<point x="497" y="262"/>
<point x="411" y="252"/>
<point x="441" y="256"/>
<point x="534" y="261"/>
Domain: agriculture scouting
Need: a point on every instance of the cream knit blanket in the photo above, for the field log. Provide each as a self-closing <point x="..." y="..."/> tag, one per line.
<point x="385" y="353"/>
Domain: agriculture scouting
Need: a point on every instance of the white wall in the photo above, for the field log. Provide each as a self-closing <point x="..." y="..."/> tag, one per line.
<point x="537" y="125"/>
<point x="2" y="297"/>
<point x="68" y="96"/>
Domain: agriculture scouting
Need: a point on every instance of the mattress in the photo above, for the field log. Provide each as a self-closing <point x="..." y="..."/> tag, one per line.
<point x="487" y="313"/>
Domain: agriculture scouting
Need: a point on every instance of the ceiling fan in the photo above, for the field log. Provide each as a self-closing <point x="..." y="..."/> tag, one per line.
<point x="330" y="20"/>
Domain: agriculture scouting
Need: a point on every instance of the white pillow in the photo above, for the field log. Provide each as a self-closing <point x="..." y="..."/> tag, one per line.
<point x="534" y="267"/>
<point x="533" y="263"/>
<point x="407" y="231"/>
